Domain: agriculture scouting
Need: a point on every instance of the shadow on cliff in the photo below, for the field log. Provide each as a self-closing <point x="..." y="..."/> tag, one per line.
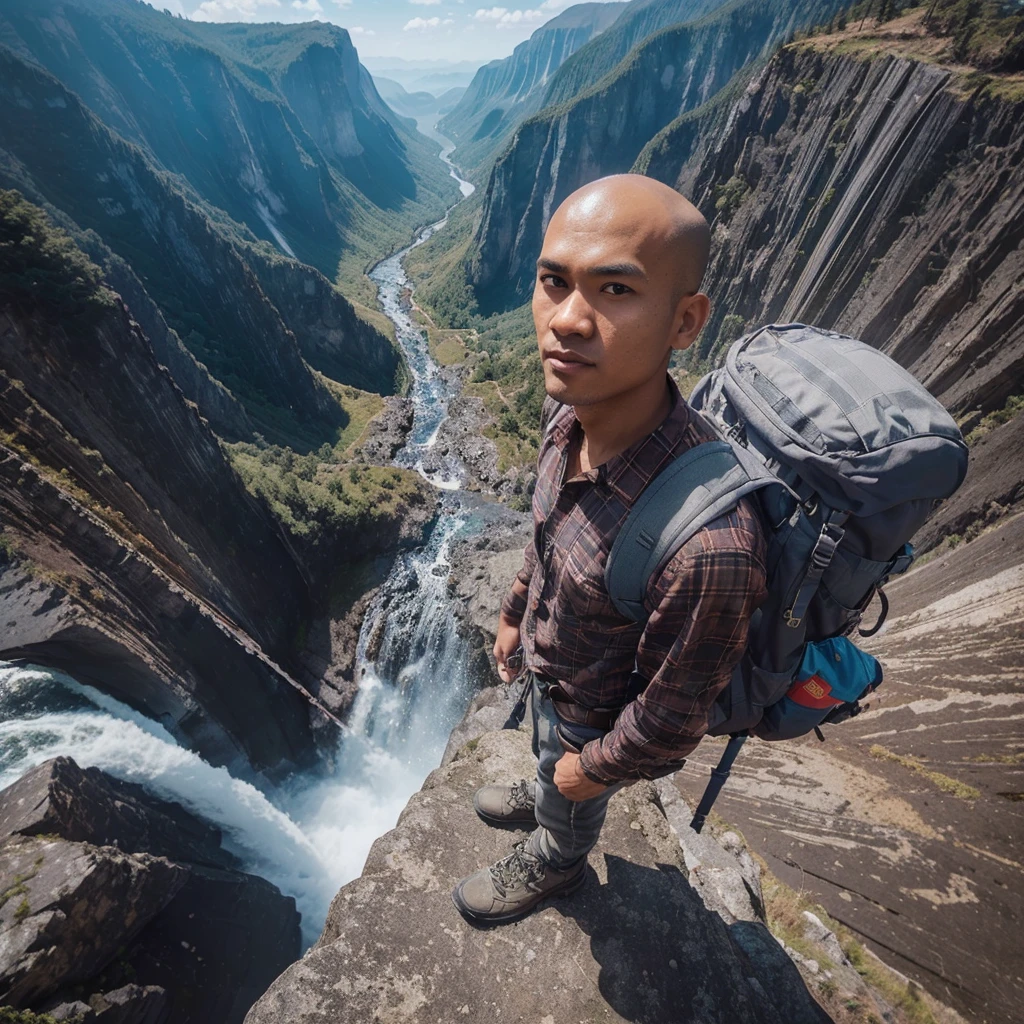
<point x="638" y="911"/>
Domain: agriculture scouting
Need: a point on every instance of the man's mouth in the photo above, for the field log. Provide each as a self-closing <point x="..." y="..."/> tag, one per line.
<point x="562" y="361"/>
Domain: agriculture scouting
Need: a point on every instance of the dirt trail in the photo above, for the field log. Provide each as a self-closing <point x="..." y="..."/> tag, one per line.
<point x="908" y="822"/>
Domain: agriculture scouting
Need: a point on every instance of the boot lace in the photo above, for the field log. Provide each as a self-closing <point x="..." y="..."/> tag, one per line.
<point x="519" y="795"/>
<point x="518" y="868"/>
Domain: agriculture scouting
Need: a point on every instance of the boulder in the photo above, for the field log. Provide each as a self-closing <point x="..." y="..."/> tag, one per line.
<point x="637" y="943"/>
<point x="85" y="805"/>
<point x="94" y="927"/>
<point x="69" y="909"/>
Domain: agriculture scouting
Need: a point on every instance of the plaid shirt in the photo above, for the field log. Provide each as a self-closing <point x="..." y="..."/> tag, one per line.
<point x="700" y="603"/>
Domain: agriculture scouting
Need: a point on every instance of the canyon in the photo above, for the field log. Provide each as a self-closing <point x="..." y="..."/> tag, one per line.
<point x="257" y="458"/>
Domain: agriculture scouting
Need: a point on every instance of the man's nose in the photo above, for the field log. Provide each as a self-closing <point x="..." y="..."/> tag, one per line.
<point x="573" y="315"/>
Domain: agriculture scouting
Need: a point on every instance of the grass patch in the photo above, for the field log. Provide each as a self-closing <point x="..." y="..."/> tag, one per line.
<point x="359" y="406"/>
<point x="321" y="503"/>
<point x="982" y="47"/>
<point x="8" y="1015"/>
<point x="446" y="346"/>
<point x="954" y="787"/>
<point x="998" y="758"/>
<point x="1014" y="404"/>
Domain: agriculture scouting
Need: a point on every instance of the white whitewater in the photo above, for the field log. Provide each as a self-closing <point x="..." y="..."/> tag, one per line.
<point x="313" y="835"/>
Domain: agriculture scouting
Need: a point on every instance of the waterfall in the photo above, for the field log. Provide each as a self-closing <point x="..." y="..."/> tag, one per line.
<point x="311" y="835"/>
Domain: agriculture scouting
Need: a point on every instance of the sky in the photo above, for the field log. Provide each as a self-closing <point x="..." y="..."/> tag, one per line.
<point x="448" y="30"/>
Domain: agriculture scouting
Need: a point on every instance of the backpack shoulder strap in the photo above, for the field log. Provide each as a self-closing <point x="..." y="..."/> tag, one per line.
<point x="700" y="485"/>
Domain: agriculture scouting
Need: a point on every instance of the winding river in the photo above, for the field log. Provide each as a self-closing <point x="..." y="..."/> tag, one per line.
<point x="312" y="835"/>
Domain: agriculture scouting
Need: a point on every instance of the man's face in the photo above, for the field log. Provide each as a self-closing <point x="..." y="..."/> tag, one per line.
<point x="605" y="306"/>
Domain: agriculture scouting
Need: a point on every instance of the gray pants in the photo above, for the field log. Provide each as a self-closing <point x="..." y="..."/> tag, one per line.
<point x="566" y="830"/>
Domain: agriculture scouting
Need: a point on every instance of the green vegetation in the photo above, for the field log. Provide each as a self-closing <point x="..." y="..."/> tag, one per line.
<point x="729" y="197"/>
<point x="360" y="407"/>
<point x="43" y="272"/>
<point x="8" y="1015"/>
<point x="1014" y="404"/>
<point x="320" y="501"/>
<point x="984" y="36"/>
<point x="446" y="347"/>
<point x="915" y="764"/>
<point x="784" y="909"/>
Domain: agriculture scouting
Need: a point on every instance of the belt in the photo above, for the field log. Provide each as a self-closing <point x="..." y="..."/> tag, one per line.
<point x="571" y="711"/>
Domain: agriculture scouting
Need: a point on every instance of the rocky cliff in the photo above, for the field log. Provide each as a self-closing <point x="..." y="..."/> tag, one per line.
<point x="602" y="130"/>
<point x="852" y="186"/>
<point x="277" y="126"/>
<point x="121" y="908"/>
<point x="669" y="928"/>
<point x="203" y="279"/>
<point x="133" y="554"/>
<point x="505" y="92"/>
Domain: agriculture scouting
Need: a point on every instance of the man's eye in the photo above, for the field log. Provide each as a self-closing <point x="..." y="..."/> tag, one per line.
<point x="616" y="288"/>
<point x="552" y="280"/>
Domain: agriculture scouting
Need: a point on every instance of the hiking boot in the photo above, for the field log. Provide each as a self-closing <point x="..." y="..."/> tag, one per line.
<point x="507" y="805"/>
<point x="515" y="885"/>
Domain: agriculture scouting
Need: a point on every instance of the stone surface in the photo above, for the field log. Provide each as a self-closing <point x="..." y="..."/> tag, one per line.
<point x="86" y="805"/>
<point x="636" y="944"/>
<point x="153" y="939"/>
<point x="929" y="877"/>
<point x="72" y="907"/>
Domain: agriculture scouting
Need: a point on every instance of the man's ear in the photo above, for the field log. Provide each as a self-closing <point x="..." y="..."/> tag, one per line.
<point x="691" y="315"/>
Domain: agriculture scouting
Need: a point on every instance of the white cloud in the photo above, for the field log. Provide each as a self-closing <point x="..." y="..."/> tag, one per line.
<point x="311" y="6"/>
<point x="502" y="17"/>
<point x="420" y="24"/>
<point x="343" y="3"/>
<point x="232" y="10"/>
<point x="425" y="3"/>
<point x="358" y="30"/>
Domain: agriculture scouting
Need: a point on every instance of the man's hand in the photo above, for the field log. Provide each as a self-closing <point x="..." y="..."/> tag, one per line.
<point x="505" y="646"/>
<point x="571" y="781"/>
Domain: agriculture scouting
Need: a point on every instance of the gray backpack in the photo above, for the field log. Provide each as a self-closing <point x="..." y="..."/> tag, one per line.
<point x="844" y="453"/>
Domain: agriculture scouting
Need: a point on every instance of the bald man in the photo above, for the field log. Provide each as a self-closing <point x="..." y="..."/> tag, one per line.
<point x="614" y="701"/>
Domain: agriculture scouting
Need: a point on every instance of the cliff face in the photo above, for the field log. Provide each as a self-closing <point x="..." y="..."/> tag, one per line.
<point x="640" y="19"/>
<point x="278" y="126"/>
<point x="876" y="195"/>
<point x="602" y="130"/>
<point x="505" y="92"/>
<point x="198" y="277"/>
<point x="150" y="567"/>
<point x="126" y="908"/>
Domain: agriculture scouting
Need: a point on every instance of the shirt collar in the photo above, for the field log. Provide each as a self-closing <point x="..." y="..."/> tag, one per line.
<point x="642" y="459"/>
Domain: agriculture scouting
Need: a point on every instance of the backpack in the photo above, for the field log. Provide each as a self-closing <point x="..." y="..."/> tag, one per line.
<point x="844" y="454"/>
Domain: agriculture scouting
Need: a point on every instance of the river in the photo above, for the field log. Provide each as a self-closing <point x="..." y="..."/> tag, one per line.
<point x="312" y="834"/>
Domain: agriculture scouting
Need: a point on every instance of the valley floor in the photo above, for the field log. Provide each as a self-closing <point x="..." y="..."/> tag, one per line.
<point x="907" y="824"/>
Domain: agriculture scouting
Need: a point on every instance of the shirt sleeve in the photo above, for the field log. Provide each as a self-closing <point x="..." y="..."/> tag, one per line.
<point x="700" y="604"/>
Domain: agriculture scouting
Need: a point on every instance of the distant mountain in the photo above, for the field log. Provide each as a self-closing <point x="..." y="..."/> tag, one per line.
<point x="277" y="125"/>
<point x="417" y="105"/>
<point x="640" y="19"/>
<point x="505" y="92"/>
<point x="436" y="76"/>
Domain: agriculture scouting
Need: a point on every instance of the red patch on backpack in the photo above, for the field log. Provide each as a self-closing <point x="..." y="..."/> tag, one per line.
<point x="813" y="692"/>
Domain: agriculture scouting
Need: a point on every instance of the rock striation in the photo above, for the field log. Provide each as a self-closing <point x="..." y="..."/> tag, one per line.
<point x="505" y="92"/>
<point x="133" y="555"/>
<point x="871" y="193"/>
<point x="121" y="908"/>
<point x="602" y="129"/>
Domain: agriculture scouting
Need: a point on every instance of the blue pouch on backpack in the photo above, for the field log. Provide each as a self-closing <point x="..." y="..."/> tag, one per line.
<point x="833" y="675"/>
